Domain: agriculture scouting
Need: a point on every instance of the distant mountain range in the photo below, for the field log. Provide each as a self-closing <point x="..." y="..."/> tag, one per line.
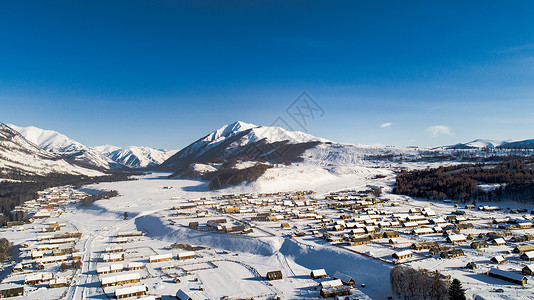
<point x="481" y="143"/>
<point x="229" y="149"/>
<point x="100" y="157"/>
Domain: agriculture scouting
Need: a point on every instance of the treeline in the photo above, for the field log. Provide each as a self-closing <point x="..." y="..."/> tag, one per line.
<point x="77" y="264"/>
<point x="461" y="182"/>
<point x="413" y="284"/>
<point x="225" y="177"/>
<point x="87" y="201"/>
<point x="25" y="187"/>
<point x="6" y="249"/>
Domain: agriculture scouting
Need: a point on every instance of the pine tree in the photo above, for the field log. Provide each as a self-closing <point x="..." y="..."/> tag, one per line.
<point x="456" y="292"/>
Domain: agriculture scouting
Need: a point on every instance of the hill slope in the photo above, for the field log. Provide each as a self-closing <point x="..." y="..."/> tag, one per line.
<point x="481" y="143"/>
<point x="59" y="144"/>
<point x="19" y="154"/>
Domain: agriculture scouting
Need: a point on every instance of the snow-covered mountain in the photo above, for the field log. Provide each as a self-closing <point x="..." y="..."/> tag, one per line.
<point x="525" y="144"/>
<point x="478" y="143"/>
<point x="136" y="157"/>
<point x="241" y="140"/>
<point x="106" y="149"/>
<point x="19" y="154"/>
<point x="59" y="144"/>
<point x="508" y="144"/>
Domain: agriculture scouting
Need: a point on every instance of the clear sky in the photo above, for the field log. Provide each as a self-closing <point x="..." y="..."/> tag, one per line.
<point x="164" y="73"/>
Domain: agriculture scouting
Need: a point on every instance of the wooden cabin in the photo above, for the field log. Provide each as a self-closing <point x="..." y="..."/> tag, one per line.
<point x="120" y="279"/>
<point x="335" y="291"/>
<point x="509" y="276"/>
<point x="528" y="256"/>
<point x="422" y="231"/>
<point x="528" y="270"/>
<point x="438" y="250"/>
<point x="320" y="273"/>
<point x="375" y="236"/>
<point x="463" y="226"/>
<point x="11" y="290"/>
<point x="452" y="253"/>
<point x="132" y="291"/>
<point x="181" y="295"/>
<point x="479" y="245"/>
<point x="274" y="275"/>
<point x="111" y="257"/>
<point x="185" y="255"/>
<point x="160" y="257"/>
<point x="498" y="242"/>
<point x="499" y="259"/>
<point x="424" y="245"/>
<point x="456" y="239"/>
<point x="471" y="265"/>
<point x="523" y="249"/>
<point x="345" y="279"/>
<point x="360" y="241"/>
<point x="402" y="254"/>
<point x="390" y="234"/>
<point x="37" y="278"/>
<point x="59" y="282"/>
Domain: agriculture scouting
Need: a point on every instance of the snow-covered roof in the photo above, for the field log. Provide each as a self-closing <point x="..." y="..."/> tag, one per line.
<point x="403" y="253"/>
<point x="189" y="295"/>
<point x="319" y="272"/>
<point x="457" y="237"/>
<point x="120" y="278"/>
<point x="343" y="277"/>
<point x="331" y="283"/>
<point x="131" y="290"/>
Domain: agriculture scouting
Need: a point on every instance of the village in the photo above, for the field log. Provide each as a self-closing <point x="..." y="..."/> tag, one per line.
<point x="490" y="248"/>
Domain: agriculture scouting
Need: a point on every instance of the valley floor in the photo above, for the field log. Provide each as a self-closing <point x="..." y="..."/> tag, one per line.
<point x="235" y="265"/>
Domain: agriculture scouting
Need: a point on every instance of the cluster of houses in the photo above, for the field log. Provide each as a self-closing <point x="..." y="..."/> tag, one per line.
<point x="352" y="219"/>
<point x="123" y="277"/>
<point x="49" y="200"/>
<point x="38" y="255"/>
<point x="336" y="286"/>
<point x="53" y="244"/>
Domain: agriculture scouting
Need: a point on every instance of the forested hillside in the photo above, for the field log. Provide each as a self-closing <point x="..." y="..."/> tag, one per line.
<point x="20" y="187"/>
<point x="508" y="181"/>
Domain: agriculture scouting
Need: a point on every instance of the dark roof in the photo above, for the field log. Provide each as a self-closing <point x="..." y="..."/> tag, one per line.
<point x="507" y="275"/>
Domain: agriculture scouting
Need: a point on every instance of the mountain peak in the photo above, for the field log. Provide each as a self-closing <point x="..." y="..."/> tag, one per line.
<point x="231" y="128"/>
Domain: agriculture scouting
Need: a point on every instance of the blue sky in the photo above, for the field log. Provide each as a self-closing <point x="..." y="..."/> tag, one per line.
<point x="164" y="73"/>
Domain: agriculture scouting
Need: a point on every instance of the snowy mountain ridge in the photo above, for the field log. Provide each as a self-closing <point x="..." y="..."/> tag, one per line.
<point x="139" y="157"/>
<point x="19" y="154"/>
<point x="505" y="144"/>
<point x="245" y="134"/>
<point x="104" y="157"/>
<point x="59" y="144"/>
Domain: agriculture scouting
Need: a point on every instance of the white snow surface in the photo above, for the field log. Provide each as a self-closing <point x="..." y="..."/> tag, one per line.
<point x="146" y="202"/>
